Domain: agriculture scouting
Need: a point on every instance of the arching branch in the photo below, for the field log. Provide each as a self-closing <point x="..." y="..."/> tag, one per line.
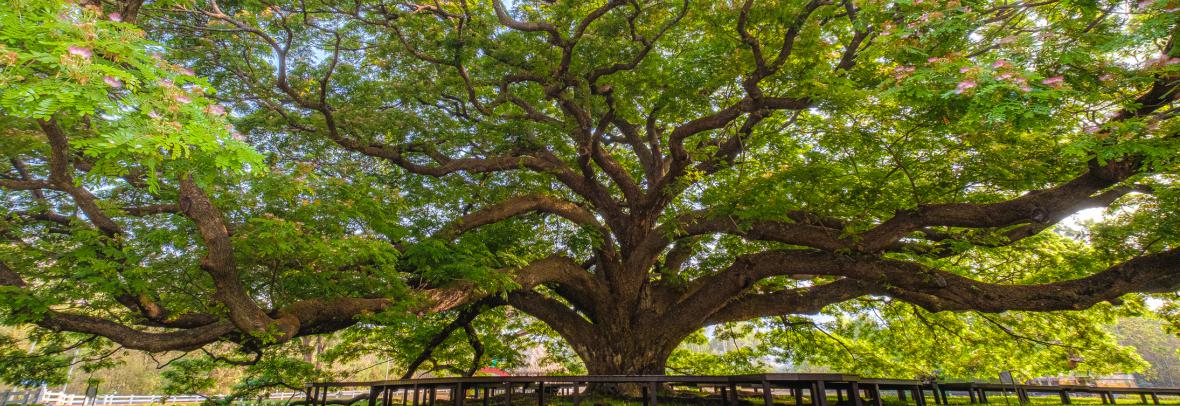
<point x="521" y="205"/>
<point x="938" y="290"/>
<point x="560" y="317"/>
<point x="558" y="269"/>
<point x="807" y="300"/>
<point x="555" y="37"/>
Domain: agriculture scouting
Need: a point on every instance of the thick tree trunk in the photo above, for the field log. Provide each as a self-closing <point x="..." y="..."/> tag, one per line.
<point x="634" y="353"/>
<point x="632" y="357"/>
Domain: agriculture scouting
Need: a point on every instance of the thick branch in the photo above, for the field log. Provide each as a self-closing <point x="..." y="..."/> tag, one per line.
<point x="1041" y="206"/>
<point x="219" y="261"/>
<point x="61" y="177"/>
<point x="937" y="290"/>
<point x="520" y="205"/>
<point x="708" y="295"/>
<point x="179" y="340"/>
<point x="560" y="317"/>
<point x="808" y="300"/>
<point x="557" y="269"/>
<point x="527" y="26"/>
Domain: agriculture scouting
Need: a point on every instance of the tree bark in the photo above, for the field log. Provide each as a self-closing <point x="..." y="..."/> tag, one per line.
<point x="634" y="356"/>
<point x="640" y="352"/>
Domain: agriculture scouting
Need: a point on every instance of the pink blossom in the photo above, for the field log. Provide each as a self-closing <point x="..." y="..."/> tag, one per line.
<point x="182" y="99"/>
<point x="1172" y="61"/>
<point x="1005" y="75"/>
<point x="187" y="71"/>
<point x="1025" y="88"/>
<point x="80" y="51"/>
<point x="1092" y="129"/>
<point x="1054" y="81"/>
<point x="153" y="114"/>
<point x="1160" y="60"/>
<point x="964" y="86"/>
<point x="965" y="69"/>
<point x="1106" y="77"/>
<point x="238" y="136"/>
<point x="901" y="72"/>
<point x="933" y="59"/>
<point x="116" y="17"/>
<point x="216" y="109"/>
<point x="112" y="81"/>
<point x="1000" y="64"/>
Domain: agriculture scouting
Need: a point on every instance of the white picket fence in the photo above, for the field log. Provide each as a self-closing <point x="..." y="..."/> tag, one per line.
<point x="46" y="397"/>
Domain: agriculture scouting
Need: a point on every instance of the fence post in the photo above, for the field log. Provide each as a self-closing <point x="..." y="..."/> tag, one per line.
<point x="373" y="393"/>
<point x="653" y="394"/>
<point x="767" y="397"/>
<point x="821" y="394"/>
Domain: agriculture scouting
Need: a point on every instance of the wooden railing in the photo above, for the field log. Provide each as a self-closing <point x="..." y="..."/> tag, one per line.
<point x="45" y="397"/>
<point x="799" y="389"/>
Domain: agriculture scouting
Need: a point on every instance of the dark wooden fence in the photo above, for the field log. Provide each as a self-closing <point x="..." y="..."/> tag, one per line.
<point x="21" y="397"/>
<point x="978" y="392"/>
<point x="809" y="389"/>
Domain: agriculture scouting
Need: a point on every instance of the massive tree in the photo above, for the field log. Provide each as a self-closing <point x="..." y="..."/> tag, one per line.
<point x="631" y="171"/>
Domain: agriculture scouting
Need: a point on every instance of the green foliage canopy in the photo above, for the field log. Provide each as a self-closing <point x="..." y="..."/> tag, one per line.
<point x="626" y="172"/>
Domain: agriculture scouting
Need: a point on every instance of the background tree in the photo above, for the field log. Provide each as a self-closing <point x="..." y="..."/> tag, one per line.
<point x="631" y="171"/>
<point x="1157" y="347"/>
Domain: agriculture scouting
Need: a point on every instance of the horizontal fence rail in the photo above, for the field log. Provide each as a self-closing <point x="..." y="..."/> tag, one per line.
<point x="800" y="389"/>
<point x="46" y="397"/>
